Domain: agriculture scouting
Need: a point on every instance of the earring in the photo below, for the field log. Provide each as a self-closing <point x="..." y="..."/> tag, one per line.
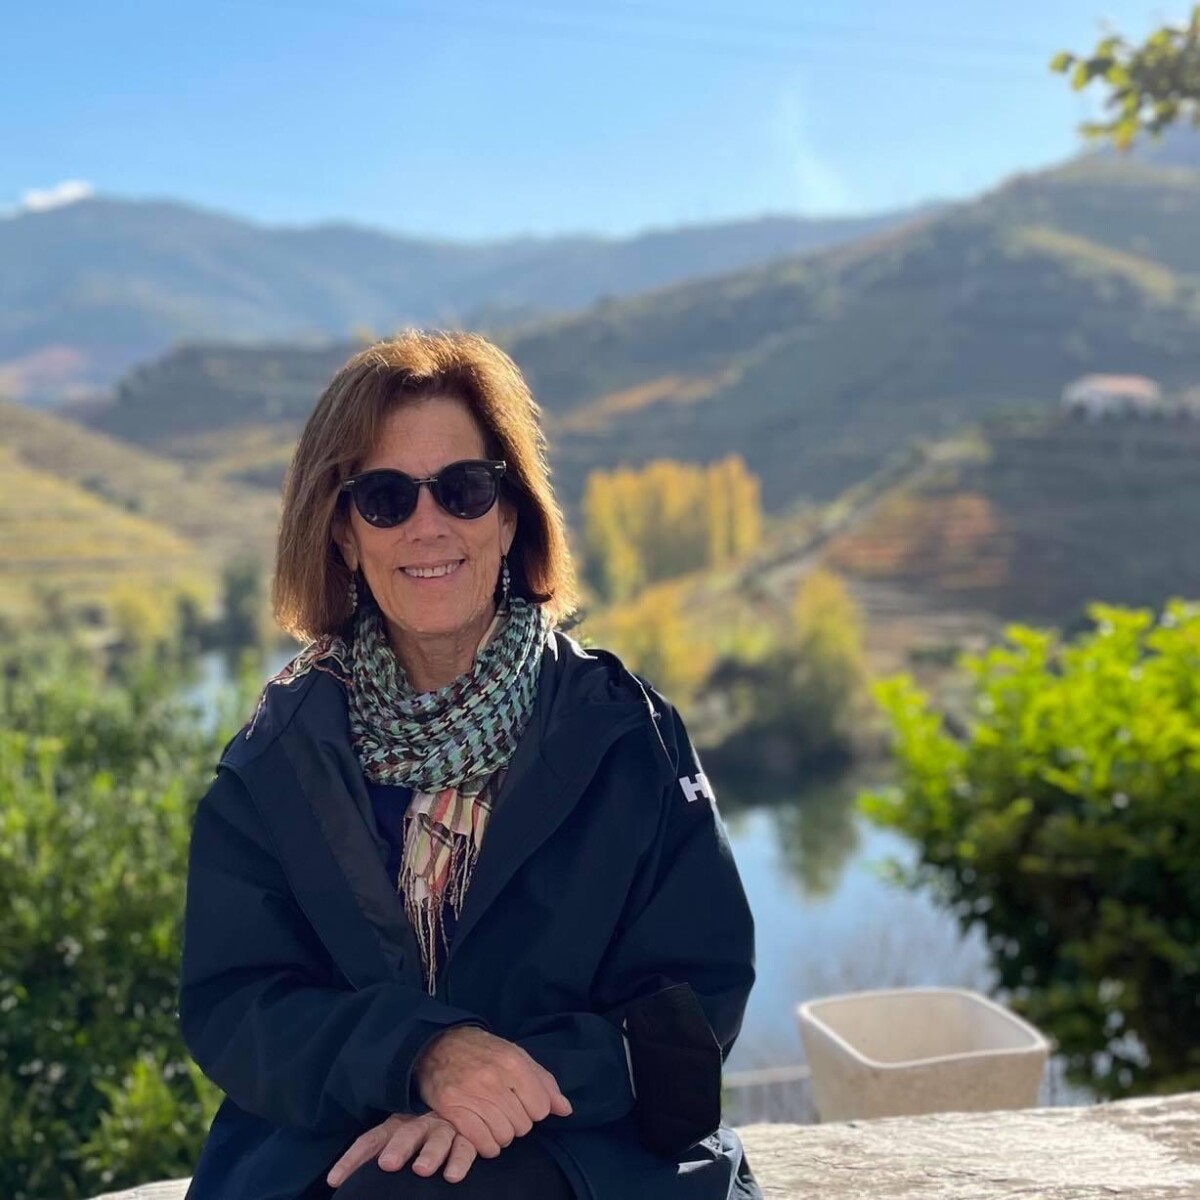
<point x="505" y="581"/>
<point x="352" y="596"/>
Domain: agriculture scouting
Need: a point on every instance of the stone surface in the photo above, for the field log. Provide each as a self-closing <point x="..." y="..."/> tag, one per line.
<point x="1137" y="1150"/>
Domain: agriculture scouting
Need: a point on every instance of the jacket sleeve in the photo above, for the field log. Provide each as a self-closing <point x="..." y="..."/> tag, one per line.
<point x="261" y="1007"/>
<point x="681" y="958"/>
<point x="688" y="921"/>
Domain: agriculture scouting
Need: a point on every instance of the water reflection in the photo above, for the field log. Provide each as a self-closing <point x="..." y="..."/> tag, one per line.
<point x="817" y="836"/>
<point x="815" y="825"/>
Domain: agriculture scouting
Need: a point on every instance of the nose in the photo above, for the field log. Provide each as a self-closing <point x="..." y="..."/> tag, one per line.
<point x="428" y="519"/>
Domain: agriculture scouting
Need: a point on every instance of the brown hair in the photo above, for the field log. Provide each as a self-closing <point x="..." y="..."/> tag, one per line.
<point x="309" y="593"/>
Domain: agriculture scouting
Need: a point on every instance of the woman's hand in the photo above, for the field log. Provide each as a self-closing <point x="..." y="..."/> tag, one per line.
<point x="400" y="1137"/>
<point x="489" y="1089"/>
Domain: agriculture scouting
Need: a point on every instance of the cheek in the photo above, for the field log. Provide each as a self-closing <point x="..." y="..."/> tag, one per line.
<point x="375" y="551"/>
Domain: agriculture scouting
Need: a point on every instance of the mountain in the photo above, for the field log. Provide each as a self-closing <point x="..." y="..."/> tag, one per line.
<point x="91" y="288"/>
<point x="1178" y="146"/>
<point x="815" y="369"/>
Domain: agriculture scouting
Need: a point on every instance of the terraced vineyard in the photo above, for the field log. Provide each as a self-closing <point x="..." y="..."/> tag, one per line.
<point x="225" y="520"/>
<point x="1055" y="513"/>
<point x="57" y="537"/>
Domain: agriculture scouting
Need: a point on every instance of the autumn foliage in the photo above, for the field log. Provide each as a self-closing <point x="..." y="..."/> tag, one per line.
<point x="666" y="519"/>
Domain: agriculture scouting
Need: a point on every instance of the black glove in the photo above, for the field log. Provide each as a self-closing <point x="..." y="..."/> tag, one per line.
<point x="676" y="1062"/>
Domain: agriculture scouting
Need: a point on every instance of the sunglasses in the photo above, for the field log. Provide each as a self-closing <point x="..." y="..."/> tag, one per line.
<point x="466" y="489"/>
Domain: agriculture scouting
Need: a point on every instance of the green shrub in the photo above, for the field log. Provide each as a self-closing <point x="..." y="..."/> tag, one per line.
<point x="1066" y="823"/>
<point x="98" y="783"/>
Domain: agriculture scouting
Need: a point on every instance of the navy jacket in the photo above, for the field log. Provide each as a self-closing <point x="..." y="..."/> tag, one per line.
<point x="605" y="877"/>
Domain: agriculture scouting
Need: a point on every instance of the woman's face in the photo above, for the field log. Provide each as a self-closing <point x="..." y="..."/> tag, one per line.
<point x="421" y="437"/>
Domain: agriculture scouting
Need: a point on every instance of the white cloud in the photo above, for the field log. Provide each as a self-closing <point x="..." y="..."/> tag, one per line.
<point x="61" y="194"/>
<point x="820" y="187"/>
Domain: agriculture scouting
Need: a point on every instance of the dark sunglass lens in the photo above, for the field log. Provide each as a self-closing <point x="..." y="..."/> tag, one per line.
<point x="467" y="489"/>
<point x="385" y="500"/>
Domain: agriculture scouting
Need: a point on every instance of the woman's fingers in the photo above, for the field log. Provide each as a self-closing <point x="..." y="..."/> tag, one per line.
<point x="497" y="1119"/>
<point x="474" y="1128"/>
<point x="511" y="1105"/>
<point x="438" y="1140"/>
<point x="362" y="1150"/>
<point x="462" y="1158"/>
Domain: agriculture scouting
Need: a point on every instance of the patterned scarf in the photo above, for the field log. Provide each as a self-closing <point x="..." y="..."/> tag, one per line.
<point x="451" y="746"/>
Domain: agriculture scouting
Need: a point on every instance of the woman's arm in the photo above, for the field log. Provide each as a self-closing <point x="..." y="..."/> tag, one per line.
<point x="259" y="1006"/>
<point x="686" y="927"/>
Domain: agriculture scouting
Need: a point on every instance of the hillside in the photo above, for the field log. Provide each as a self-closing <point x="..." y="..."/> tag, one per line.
<point x="1178" y="146"/>
<point x="1042" y="516"/>
<point x="58" y="539"/>
<point x="92" y="288"/>
<point x="814" y="369"/>
<point x="218" y="520"/>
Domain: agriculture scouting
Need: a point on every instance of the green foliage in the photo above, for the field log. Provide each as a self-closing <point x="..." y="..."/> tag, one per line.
<point x="1150" y="87"/>
<point x="153" y="1125"/>
<point x="98" y="781"/>
<point x="1066" y="823"/>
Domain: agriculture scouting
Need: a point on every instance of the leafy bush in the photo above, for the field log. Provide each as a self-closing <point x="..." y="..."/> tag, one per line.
<point x="1066" y="822"/>
<point x="98" y="782"/>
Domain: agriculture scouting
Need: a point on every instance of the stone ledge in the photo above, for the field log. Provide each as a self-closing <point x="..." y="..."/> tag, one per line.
<point x="1138" y="1150"/>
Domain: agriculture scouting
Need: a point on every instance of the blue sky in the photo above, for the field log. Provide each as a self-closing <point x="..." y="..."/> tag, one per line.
<point x="488" y="118"/>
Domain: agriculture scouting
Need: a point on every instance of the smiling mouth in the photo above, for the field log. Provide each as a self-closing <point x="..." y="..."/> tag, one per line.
<point x="438" y="572"/>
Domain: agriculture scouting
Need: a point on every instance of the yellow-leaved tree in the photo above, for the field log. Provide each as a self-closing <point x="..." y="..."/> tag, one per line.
<point x="667" y="519"/>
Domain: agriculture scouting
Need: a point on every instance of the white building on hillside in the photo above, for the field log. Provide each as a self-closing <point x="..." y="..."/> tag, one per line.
<point x="1113" y="395"/>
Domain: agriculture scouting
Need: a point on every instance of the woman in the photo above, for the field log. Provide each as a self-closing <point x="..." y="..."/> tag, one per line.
<point x="461" y="918"/>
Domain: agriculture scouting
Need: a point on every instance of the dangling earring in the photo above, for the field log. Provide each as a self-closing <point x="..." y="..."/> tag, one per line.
<point x="505" y="581"/>
<point x="352" y="595"/>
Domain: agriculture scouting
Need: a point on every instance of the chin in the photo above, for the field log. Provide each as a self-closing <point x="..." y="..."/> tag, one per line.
<point x="432" y="621"/>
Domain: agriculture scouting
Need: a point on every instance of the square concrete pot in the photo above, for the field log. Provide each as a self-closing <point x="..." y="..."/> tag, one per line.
<point x="919" y="1050"/>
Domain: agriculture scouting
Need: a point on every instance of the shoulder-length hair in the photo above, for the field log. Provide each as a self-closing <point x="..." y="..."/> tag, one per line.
<point x="312" y="581"/>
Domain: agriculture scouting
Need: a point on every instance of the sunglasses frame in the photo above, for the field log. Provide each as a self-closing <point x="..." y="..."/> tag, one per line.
<point x="497" y="468"/>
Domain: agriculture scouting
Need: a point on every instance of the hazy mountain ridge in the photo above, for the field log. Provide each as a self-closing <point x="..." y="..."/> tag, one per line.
<point x="814" y="368"/>
<point x="94" y="287"/>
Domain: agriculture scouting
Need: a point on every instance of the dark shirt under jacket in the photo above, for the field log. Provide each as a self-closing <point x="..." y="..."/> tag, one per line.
<point x="389" y="803"/>
<point x="605" y="883"/>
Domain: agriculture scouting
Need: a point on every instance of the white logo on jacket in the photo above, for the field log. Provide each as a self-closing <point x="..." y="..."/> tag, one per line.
<point x="695" y="787"/>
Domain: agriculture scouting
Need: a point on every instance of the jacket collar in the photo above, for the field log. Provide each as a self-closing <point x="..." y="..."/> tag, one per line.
<point x="303" y="773"/>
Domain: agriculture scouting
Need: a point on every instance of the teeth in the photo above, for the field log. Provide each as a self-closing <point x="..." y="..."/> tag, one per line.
<point x="430" y="572"/>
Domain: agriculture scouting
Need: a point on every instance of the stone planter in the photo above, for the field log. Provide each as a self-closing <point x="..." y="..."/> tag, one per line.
<point x="918" y="1050"/>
